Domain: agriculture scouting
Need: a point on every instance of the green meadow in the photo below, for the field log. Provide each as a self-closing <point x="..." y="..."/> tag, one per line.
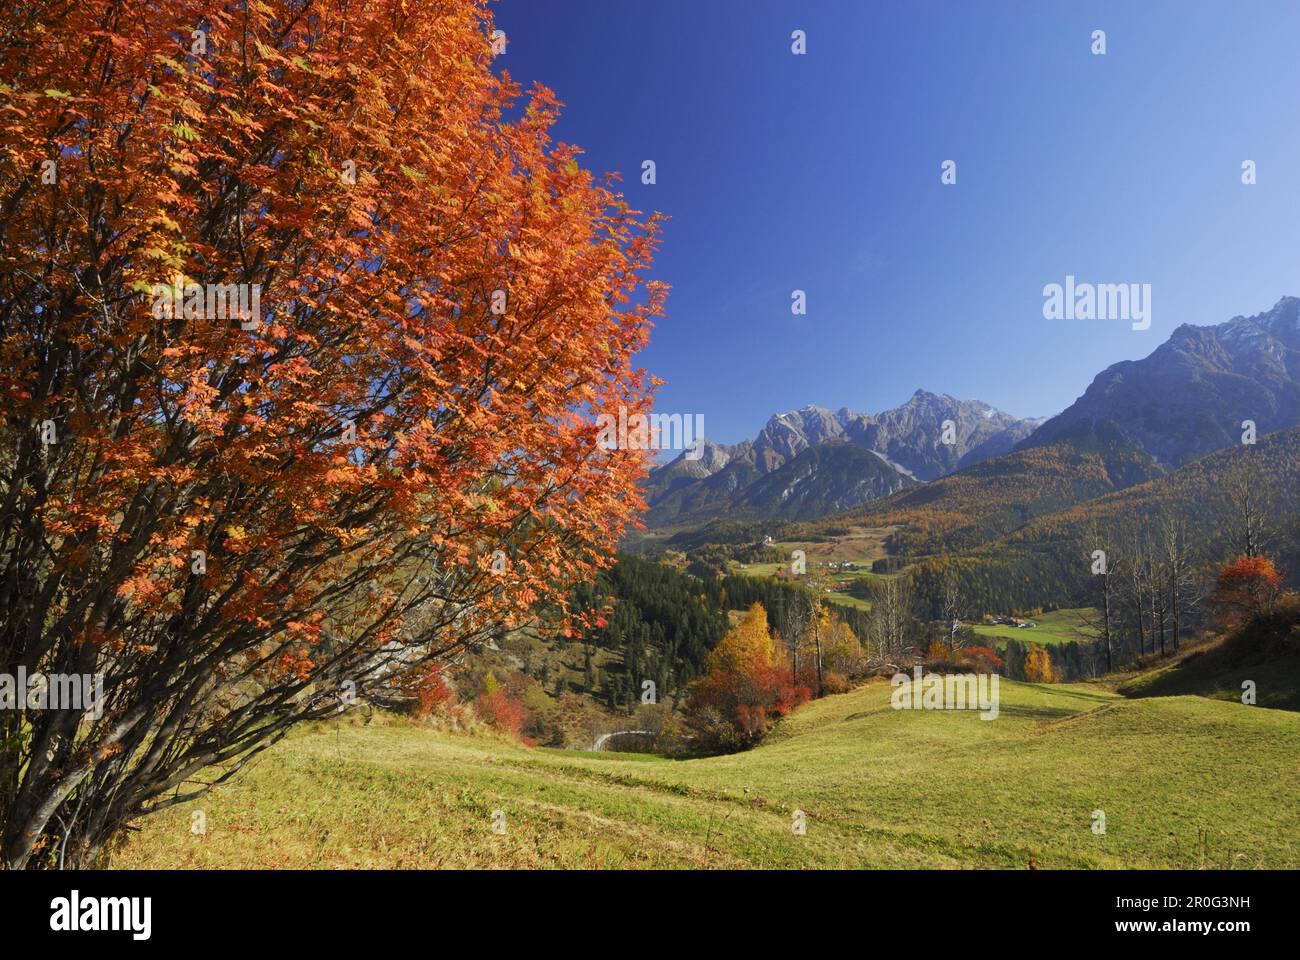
<point x="1054" y="626"/>
<point x="1183" y="781"/>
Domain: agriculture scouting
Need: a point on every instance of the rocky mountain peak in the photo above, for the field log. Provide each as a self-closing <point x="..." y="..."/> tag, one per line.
<point x="908" y="441"/>
<point x="1189" y="396"/>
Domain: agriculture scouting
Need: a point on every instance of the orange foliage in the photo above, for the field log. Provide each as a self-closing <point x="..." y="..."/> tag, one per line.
<point x="982" y="658"/>
<point x="746" y="647"/>
<point x="733" y="710"/>
<point x="1246" y="586"/>
<point x="445" y="297"/>
<point x="745" y="691"/>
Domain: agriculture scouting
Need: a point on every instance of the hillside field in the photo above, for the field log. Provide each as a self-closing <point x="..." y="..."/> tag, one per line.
<point x="859" y="545"/>
<point x="1054" y="626"/>
<point x="1184" y="782"/>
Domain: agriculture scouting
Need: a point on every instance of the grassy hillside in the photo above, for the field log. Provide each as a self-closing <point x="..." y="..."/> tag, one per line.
<point x="858" y="545"/>
<point x="880" y="787"/>
<point x="1022" y="520"/>
<point x="972" y="506"/>
<point x="1265" y="651"/>
<point x="1053" y="626"/>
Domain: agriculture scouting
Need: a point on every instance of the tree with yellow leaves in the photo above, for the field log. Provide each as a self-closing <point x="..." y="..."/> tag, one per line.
<point x="746" y="689"/>
<point x="843" y="650"/>
<point x="1038" y="665"/>
<point x="747" y="647"/>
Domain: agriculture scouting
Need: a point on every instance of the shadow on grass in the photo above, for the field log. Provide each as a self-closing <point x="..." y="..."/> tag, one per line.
<point x="1012" y="710"/>
<point x="1072" y="694"/>
<point x="1039" y="713"/>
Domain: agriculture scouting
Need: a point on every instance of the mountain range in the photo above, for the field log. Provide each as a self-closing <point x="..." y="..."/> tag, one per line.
<point x="812" y="461"/>
<point x="1137" y="420"/>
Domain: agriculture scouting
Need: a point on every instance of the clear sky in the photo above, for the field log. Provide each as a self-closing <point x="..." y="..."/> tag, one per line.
<point x="821" y="172"/>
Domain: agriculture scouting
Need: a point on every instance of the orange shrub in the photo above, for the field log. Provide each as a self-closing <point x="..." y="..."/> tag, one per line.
<point x="1246" y="587"/>
<point x="732" y="710"/>
<point x="981" y="658"/>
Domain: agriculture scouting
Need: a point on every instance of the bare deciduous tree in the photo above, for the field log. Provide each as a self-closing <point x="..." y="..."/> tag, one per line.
<point x="1102" y="561"/>
<point x="1251" y="496"/>
<point x="953" y="606"/>
<point x="1179" y="573"/>
<point x="892" y="618"/>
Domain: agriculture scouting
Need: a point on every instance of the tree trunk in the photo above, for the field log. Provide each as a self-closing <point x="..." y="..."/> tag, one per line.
<point x="1173" y="608"/>
<point x="1105" y="618"/>
<point x="1156" y="625"/>
<point x="821" y="679"/>
<point x="1141" y="625"/>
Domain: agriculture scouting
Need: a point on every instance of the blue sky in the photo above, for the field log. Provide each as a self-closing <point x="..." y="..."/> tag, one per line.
<point x="822" y="173"/>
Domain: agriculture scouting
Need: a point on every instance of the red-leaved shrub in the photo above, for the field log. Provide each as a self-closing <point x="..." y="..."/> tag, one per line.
<point x="733" y="709"/>
<point x="981" y="659"/>
<point x="433" y="691"/>
<point x="1247" y="587"/>
<point x="499" y="711"/>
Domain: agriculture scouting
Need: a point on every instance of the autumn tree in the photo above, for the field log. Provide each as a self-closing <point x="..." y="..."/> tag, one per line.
<point x="498" y="709"/>
<point x="1038" y="664"/>
<point x="982" y="658"/>
<point x="807" y="625"/>
<point x="304" y="318"/>
<point x="843" y="650"/>
<point x="747" y="646"/>
<point x="1248" y="586"/>
<point x="745" y="690"/>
